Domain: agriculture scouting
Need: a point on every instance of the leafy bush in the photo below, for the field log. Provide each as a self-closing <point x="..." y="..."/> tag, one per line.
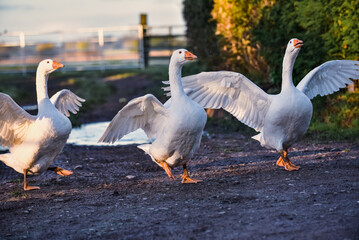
<point x="340" y="109"/>
<point x="329" y="30"/>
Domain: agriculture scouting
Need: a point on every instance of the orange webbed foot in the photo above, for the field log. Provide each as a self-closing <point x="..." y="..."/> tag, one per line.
<point x="186" y="178"/>
<point x="190" y="180"/>
<point x="289" y="166"/>
<point x="27" y="188"/>
<point x="61" y="171"/>
<point x="284" y="161"/>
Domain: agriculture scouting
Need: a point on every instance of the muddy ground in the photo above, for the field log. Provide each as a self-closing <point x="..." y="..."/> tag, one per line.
<point x="119" y="193"/>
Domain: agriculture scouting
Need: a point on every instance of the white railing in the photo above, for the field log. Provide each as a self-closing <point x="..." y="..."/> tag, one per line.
<point x="79" y="49"/>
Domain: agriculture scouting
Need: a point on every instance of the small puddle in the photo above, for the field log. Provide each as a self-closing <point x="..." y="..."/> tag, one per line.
<point x="89" y="134"/>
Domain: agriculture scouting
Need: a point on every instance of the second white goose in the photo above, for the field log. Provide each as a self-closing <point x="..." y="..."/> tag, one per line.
<point x="177" y="127"/>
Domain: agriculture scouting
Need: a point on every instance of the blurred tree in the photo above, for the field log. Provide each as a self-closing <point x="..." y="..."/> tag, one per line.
<point x="201" y="32"/>
<point x="235" y="20"/>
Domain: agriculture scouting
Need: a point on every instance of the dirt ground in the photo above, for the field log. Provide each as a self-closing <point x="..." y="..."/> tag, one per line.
<point x="119" y="193"/>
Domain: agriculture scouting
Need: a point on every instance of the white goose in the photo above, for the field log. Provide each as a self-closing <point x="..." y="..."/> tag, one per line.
<point x="281" y="119"/>
<point x="35" y="141"/>
<point x="176" y="126"/>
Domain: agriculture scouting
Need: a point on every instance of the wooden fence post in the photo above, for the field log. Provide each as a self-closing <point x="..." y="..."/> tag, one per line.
<point x="146" y="43"/>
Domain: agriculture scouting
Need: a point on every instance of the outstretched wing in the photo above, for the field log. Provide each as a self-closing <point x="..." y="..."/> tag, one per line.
<point x="143" y="112"/>
<point x="66" y="101"/>
<point x="231" y="91"/>
<point x="14" y="121"/>
<point x="329" y="77"/>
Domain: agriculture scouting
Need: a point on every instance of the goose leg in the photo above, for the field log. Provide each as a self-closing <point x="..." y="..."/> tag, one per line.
<point x="27" y="187"/>
<point x="60" y="171"/>
<point x="186" y="178"/>
<point x="167" y="169"/>
<point x="288" y="165"/>
<point x="280" y="162"/>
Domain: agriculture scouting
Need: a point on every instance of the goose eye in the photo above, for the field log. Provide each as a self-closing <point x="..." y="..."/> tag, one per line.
<point x="48" y="61"/>
<point x="290" y="42"/>
<point x="180" y="52"/>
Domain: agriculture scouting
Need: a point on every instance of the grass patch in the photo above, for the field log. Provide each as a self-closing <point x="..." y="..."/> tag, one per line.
<point x="18" y="193"/>
<point x="326" y="132"/>
<point x="15" y="181"/>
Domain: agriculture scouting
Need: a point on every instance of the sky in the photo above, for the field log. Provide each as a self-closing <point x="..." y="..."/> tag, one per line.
<point x="50" y="15"/>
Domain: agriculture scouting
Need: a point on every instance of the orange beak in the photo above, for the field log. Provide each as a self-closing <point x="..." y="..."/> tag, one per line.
<point x="297" y="43"/>
<point x="189" y="56"/>
<point x="57" y="65"/>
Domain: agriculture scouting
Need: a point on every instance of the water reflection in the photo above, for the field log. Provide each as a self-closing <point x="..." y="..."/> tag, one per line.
<point x="89" y="134"/>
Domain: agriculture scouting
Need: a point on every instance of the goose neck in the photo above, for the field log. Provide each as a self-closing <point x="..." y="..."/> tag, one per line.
<point x="175" y="70"/>
<point x="288" y="63"/>
<point x="41" y="86"/>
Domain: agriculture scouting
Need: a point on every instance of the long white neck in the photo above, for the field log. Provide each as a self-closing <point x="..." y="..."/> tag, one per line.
<point x="175" y="70"/>
<point x="288" y="63"/>
<point x="41" y="86"/>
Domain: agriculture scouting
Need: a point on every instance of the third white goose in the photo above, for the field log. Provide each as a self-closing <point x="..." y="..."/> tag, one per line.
<point x="281" y="119"/>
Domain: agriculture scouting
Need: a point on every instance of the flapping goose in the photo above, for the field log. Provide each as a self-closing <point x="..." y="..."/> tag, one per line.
<point x="281" y="119"/>
<point x="176" y="126"/>
<point x="35" y="141"/>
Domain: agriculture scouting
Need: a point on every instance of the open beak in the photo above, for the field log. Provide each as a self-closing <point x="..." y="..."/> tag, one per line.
<point x="56" y="65"/>
<point x="189" y="56"/>
<point x="297" y="43"/>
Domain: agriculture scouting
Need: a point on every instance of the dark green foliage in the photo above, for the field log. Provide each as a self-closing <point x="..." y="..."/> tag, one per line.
<point x="328" y="28"/>
<point x="201" y="29"/>
<point x="278" y="25"/>
<point x="342" y="36"/>
<point x="228" y="124"/>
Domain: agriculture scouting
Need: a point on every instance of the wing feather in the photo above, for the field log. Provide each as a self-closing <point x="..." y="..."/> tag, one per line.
<point x="66" y="101"/>
<point x="143" y="112"/>
<point x="14" y="121"/>
<point x="231" y="91"/>
<point x="329" y="77"/>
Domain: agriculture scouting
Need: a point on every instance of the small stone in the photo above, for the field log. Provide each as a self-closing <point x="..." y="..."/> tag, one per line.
<point x="78" y="167"/>
<point x="130" y="177"/>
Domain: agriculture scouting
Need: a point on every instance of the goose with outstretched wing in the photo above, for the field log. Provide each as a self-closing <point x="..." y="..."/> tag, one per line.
<point x="176" y="126"/>
<point x="281" y="119"/>
<point x="35" y="141"/>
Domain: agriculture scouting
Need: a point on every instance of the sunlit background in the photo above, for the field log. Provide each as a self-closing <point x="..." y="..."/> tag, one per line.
<point x="50" y="15"/>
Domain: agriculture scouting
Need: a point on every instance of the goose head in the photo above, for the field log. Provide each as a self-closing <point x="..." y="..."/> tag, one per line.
<point x="291" y="53"/>
<point x="293" y="47"/>
<point x="182" y="56"/>
<point x="47" y="66"/>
